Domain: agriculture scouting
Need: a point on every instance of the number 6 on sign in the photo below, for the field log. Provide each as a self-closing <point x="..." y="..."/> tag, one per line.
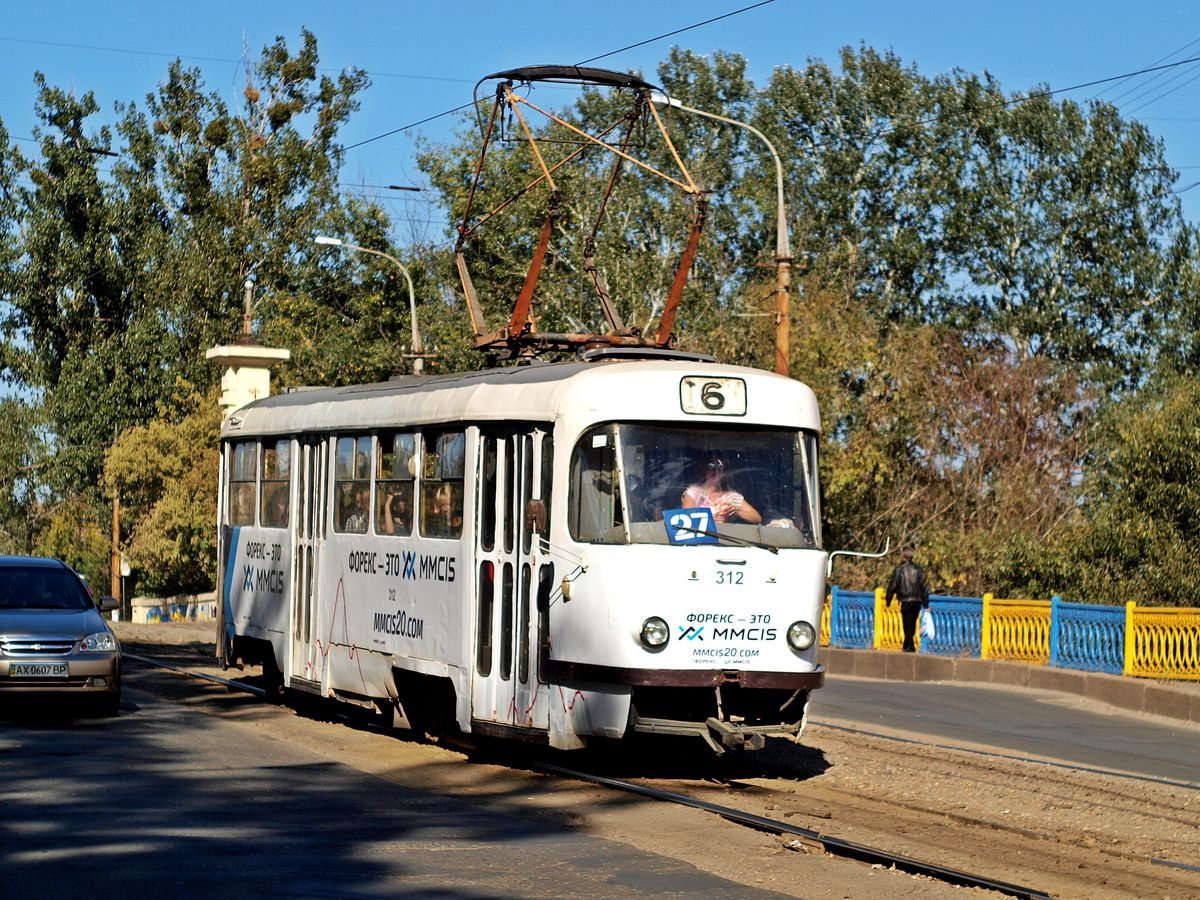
<point x="688" y="526"/>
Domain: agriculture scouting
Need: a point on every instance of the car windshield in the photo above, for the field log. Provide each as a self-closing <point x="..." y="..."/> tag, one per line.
<point x="760" y="484"/>
<point x="36" y="587"/>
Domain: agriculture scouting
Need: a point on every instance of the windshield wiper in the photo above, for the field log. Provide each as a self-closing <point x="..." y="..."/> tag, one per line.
<point x="741" y="541"/>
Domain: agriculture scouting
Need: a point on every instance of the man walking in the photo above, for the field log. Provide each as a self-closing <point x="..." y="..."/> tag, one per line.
<point x="908" y="585"/>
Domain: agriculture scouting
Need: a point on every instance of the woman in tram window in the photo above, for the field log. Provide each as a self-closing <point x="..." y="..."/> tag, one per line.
<point x="707" y="487"/>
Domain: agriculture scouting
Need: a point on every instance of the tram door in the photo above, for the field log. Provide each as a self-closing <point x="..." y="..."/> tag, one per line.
<point x="511" y="621"/>
<point x="309" y="525"/>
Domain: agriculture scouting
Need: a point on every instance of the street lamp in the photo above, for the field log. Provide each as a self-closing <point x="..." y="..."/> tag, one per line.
<point x="418" y="348"/>
<point x="783" y="249"/>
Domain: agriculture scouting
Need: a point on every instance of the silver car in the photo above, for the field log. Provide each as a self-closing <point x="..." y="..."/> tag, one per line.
<point x="53" y="639"/>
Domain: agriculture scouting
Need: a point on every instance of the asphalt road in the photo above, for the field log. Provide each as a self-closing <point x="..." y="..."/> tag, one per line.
<point x="1018" y="722"/>
<point x="191" y="805"/>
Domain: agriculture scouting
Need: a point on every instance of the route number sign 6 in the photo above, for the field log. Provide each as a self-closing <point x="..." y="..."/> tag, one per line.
<point x="704" y="396"/>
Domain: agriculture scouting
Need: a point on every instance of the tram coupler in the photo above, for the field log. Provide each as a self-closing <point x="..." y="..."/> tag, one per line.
<point x="731" y="736"/>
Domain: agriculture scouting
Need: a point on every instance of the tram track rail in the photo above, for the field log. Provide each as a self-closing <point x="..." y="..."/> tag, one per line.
<point x="808" y="838"/>
<point x="830" y="844"/>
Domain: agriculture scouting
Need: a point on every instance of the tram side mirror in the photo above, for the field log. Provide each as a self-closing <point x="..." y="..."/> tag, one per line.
<point x="535" y="517"/>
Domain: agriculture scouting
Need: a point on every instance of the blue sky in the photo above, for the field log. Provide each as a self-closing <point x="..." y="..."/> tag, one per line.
<point x="425" y="57"/>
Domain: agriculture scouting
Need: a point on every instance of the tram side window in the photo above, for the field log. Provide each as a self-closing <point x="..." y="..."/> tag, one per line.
<point x="442" y="484"/>
<point x="276" y="482"/>
<point x="547" y="484"/>
<point x="595" y="509"/>
<point x="395" y="474"/>
<point x="352" y="485"/>
<point x="243" y="470"/>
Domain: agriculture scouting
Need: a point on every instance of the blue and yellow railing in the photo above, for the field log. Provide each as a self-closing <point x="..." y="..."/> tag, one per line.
<point x="1148" y="642"/>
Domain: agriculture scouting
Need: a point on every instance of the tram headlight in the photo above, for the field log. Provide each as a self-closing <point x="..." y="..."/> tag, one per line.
<point x="655" y="633"/>
<point x="800" y="635"/>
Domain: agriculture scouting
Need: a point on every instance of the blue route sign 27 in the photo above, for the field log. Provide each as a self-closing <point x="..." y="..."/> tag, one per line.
<point x="687" y="526"/>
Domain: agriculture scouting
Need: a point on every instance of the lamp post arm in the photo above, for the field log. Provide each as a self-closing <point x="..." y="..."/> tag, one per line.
<point x="783" y="249"/>
<point x="418" y="347"/>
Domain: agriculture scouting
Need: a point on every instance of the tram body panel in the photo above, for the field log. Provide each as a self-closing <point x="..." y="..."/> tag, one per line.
<point x="565" y="665"/>
<point x="258" y="586"/>
<point x="399" y="597"/>
<point x="726" y="607"/>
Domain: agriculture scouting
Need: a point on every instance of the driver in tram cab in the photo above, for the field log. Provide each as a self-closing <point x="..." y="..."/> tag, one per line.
<point x="707" y="487"/>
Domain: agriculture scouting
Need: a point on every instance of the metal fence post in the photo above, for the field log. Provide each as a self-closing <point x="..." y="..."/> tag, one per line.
<point x="1054" y="628"/>
<point x="985" y="637"/>
<point x="1130" y="643"/>
<point x="878" y="624"/>
<point x="833" y="615"/>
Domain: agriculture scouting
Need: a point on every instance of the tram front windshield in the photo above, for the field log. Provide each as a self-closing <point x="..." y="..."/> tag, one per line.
<point x="761" y="484"/>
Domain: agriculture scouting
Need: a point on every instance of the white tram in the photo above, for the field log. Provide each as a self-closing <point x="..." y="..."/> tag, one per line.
<point x="520" y="552"/>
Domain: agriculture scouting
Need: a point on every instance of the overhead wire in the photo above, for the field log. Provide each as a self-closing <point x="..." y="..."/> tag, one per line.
<point x="668" y="34"/>
<point x="1159" y="67"/>
<point x="1161" y="59"/>
<point x="214" y="59"/>
<point x="581" y="63"/>
<point x="1165" y="93"/>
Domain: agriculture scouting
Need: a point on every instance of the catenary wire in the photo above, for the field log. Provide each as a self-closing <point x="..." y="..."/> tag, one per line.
<point x="214" y="59"/>
<point x="583" y="62"/>
<point x="675" y="32"/>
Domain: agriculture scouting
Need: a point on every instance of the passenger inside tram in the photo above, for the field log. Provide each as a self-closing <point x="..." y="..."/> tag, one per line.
<point x="395" y="515"/>
<point x="707" y="487"/>
<point x="356" y="518"/>
<point x="443" y="516"/>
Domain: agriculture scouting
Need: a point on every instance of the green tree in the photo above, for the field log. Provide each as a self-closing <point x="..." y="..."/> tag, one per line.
<point x="23" y="457"/>
<point x="120" y="280"/>
<point x="1138" y="535"/>
<point x="73" y="535"/>
<point x="165" y="474"/>
<point x="945" y="201"/>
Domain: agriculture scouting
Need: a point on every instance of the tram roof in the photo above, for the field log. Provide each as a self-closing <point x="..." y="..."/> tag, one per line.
<point x="537" y="392"/>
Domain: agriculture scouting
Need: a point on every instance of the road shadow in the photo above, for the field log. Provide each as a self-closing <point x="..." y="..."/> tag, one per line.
<point x="163" y="801"/>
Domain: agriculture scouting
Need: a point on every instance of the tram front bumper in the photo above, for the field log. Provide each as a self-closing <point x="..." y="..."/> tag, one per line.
<point x="720" y="735"/>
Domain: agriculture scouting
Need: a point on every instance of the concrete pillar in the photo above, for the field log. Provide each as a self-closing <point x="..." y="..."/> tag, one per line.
<point x="247" y="372"/>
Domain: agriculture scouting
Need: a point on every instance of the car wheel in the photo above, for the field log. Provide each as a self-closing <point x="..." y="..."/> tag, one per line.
<point x="108" y="705"/>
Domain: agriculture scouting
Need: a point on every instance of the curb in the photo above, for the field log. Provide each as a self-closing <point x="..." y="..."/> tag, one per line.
<point x="1134" y="694"/>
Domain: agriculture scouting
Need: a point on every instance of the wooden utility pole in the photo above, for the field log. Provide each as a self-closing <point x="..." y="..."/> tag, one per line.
<point x="116" y="547"/>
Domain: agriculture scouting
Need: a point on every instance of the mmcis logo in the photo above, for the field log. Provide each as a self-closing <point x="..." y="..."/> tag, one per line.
<point x="691" y="632"/>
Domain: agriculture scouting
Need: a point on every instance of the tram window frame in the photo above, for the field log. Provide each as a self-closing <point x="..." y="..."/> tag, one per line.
<point x="486" y="589"/>
<point x="547" y="478"/>
<point x="443" y="464"/>
<point x="276" y="483"/>
<point x="395" y="478"/>
<point x="242" y="490"/>
<point x="488" y="503"/>
<point x="351" y="473"/>
<point x="509" y="507"/>
<point x="526" y="490"/>
<point x="595" y="455"/>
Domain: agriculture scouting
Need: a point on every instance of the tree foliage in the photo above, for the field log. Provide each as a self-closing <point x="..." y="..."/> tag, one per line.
<point x="165" y="473"/>
<point x="1140" y="525"/>
<point x="122" y="279"/>
<point x="998" y="299"/>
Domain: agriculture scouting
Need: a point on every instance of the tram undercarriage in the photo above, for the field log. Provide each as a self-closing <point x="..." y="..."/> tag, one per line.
<point x="727" y="716"/>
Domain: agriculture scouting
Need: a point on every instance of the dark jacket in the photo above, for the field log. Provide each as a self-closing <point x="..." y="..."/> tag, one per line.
<point x="908" y="583"/>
